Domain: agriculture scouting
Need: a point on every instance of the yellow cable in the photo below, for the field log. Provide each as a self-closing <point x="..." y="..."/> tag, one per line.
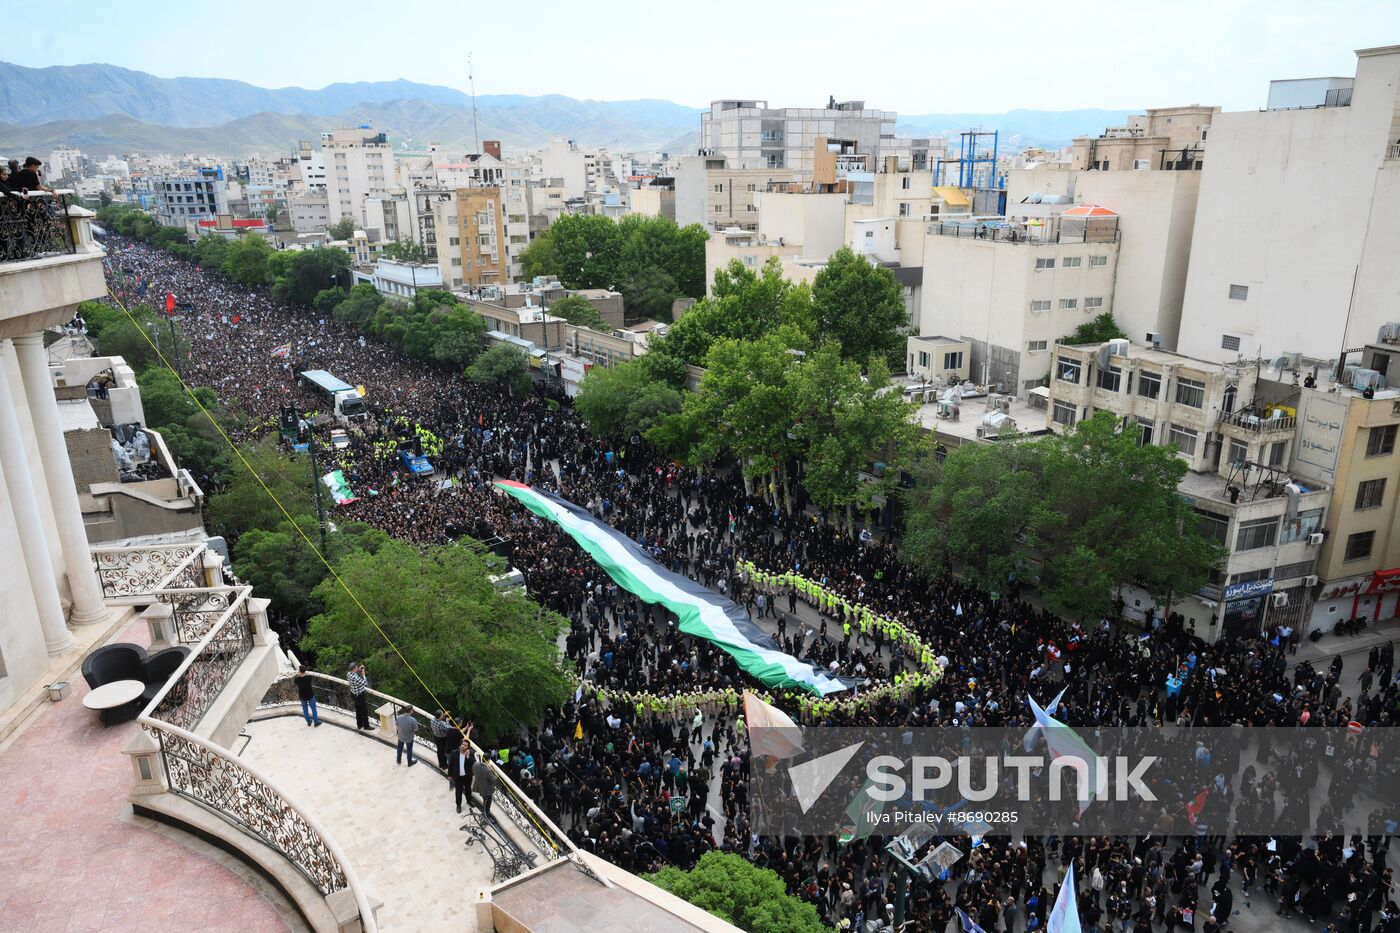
<point x="309" y="543"/>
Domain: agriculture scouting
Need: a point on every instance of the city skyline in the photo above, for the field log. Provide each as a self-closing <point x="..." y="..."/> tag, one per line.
<point x="1046" y="63"/>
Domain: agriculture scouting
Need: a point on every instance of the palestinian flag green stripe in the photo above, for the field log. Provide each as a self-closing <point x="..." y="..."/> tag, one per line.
<point x="703" y="613"/>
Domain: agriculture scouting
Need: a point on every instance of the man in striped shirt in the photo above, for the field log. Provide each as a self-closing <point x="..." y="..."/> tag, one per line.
<point x="359" y="683"/>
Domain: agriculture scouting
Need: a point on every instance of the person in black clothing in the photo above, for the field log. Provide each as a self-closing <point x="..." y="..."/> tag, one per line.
<point x="307" y="697"/>
<point x="27" y="178"/>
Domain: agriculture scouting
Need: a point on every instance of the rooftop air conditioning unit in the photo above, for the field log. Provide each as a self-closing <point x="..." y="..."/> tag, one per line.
<point x="1280" y="600"/>
<point x="1118" y="347"/>
<point x="1389" y="333"/>
<point x="1367" y="379"/>
<point x="1153" y="339"/>
<point x="1310" y="580"/>
<point x="1315" y="538"/>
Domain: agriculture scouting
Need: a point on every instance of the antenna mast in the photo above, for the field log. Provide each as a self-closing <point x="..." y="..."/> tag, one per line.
<point x="471" y="83"/>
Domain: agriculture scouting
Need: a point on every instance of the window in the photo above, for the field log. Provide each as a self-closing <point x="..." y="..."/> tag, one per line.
<point x="1359" y="545"/>
<point x="1261" y="532"/>
<point x="923" y="359"/>
<point x="1239" y="451"/>
<point x="1069" y="304"/>
<point x="753" y="187"/>
<point x="904" y="208"/>
<point x="719" y="189"/>
<point x="904" y="182"/>
<point x="1381" y="441"/>
<point x="1071" y="262"/>
<point x="1067" y="370"/>
<point x="1229" y="342"/>
<point x="1149" y="384"/>
<point x="457" y="260"/>
<point x="1184" y="439"/>
<point x="1239" y="292"/>
<point x="1065" y="413"/>
<point x="1110" y="378"/>
<point x="1096" y="262"/>
<point x="1278" y="451"/>
<point x="1040" y="304"/>
<point x="1035" y="346"/>
<point x="453" y="241"/>
<point x="1249" y="576"/>
<point x="1213" y="527"/>
<point x="1146" y="427"/>
<point x="1190" y="392"/>
<point x="1369" y="494"/>
<point x="1044" y="263"/>
<point x="750" y="208"/>
<point x="1095" y="302"/>
<point x="953" y="360"/>
<point x="717" y="208"/>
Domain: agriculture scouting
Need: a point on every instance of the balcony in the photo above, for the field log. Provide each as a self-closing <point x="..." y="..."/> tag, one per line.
<point x="35" y="225"/>
<point x="1251" y="424"/>
<point x="1003" y="231"/>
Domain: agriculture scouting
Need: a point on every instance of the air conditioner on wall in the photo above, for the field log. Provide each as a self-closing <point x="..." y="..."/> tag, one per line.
<point x="1280" y="600"/>
<point x="1310" y="580"/>
<point x="1315" y="538"/>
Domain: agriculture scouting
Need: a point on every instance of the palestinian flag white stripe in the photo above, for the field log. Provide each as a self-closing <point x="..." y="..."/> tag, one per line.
<point x="703" y="613"/>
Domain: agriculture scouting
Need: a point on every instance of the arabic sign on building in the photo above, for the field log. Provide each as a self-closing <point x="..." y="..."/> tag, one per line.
<point x="1343" y="588"/>
<point x="1246" y="590"/>
<point x="1320" y="421"/>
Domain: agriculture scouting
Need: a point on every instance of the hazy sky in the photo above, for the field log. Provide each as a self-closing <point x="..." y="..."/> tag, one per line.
<point x="914" y="57"/>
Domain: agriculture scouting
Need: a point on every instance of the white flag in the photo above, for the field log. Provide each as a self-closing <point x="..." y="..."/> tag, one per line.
<point x="1064" y="916"/>
<point x="1034" y="731"/>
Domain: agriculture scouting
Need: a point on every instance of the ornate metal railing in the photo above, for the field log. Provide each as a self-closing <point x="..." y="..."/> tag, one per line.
<point x="195" y="611"/>
<point x="1258" y="422"/>
<point x="197" y="683"/>
<point x="216" y="779"/>
<point x="138" y="571"/>
<point x="34" y="225"/>
<point x="532" y="822"/>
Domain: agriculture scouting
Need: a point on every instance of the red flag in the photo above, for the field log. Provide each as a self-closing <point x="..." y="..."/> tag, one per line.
<point x="478" y="419"/>
<point x="1194" y="808"/>
<point x="169" y="302"/>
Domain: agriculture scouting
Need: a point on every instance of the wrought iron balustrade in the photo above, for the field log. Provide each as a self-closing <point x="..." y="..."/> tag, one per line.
<point x="198" y="682"/>
<point x="34" y="225"/>
<point x="139" y="571"/>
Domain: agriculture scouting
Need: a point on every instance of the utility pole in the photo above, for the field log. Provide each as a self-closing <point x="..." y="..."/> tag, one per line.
<point x="316" y="486"/>
<point x="471" y="83"/>
<point x="174" y="346"/>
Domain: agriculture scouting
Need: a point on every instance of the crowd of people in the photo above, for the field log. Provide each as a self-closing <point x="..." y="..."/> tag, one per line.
<point x="647" y="786"/>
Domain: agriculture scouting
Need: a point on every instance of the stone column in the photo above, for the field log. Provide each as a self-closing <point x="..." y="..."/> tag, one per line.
<point x="88" y="606"/>
<point x="32" y="542"/>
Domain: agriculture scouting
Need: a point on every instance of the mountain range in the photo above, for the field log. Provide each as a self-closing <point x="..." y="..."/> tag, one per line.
<point x="104" y="109"/>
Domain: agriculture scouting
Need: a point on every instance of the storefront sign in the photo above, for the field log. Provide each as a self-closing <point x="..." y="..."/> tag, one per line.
<point x="1343" y="588"/>
<point x="1320" y="424"/>
<point x="1251" y="588"/>
<point x="1385" y="581"/>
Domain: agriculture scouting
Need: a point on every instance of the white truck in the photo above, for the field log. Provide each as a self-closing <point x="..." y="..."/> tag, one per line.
<point x="343" y="399"/>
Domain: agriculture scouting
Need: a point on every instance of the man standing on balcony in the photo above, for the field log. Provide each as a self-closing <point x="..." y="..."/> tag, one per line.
<point x="27" y="178"/>
<point x="484" y="783"/>
<point x="359" y="683"/>
<point x="444" y="737"/>
<point x="459" y="770"/>
<point x="407" y="726"/>
<point x="308" y="698"/>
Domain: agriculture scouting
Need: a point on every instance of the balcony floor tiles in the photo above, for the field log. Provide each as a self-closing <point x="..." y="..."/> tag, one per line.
<point x="73" y="856"/>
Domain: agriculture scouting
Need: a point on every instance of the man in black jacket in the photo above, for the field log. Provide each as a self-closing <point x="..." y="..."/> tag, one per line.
<point x="459" y="770"/>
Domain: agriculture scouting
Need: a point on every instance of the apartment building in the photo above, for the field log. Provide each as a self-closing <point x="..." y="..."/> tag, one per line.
<point x="1011" y="289"/>
<point x="65" y="162"/>
<point x="190" y="196"/>
<point x="1297" y="227"/>
<point x="717" y="192"/>
<point x="1347" y="439"/>
<point x="574" y="169"/>
<point x="358" y="164"/>
<point x="1162" y="139"/>
<point x="470" y="226"/>
<point x="750" y="134"/>
<point x="1236" y="431"/>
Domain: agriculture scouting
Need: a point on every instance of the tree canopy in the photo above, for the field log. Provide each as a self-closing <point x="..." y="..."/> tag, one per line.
<point x="860" y="306"/>
<point x="1101" y="329"/>
<point x="505" y="364"/>
<point x="342" y="229"/>
<point x="627" y="398"/>
<point x="578" y="311"/>
<point x="739" y="892"/>
<point x="1079" y="513"/>
<point x="491" y="654"/>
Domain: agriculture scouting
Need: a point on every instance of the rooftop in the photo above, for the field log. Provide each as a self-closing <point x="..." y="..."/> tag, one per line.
<point x="968" y="425"/>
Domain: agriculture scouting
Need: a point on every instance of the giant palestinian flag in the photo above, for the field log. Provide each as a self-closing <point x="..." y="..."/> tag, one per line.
<point x="703" y="613"/>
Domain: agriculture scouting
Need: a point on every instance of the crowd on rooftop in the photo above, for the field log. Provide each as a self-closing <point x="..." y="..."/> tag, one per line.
<point x="608" y="767"/>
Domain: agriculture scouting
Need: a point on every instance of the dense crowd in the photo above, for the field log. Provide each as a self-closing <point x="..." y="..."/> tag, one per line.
<point x="609" y="769"/>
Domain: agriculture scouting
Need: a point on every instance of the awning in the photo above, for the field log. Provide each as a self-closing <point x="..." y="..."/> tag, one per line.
<point x="952" y="195"/>
<point x="1385" y="581"/>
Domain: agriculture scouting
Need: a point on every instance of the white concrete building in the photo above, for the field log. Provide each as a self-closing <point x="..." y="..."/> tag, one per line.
<point x="359" y="164"/>
<point x="190" y="197"/>
<point x="750" y="134"/>
<point x="65" y="162"/>
<point x="1298" y="224"/>
<point x="1012" y="290"/>
<point x="401" y="280"/>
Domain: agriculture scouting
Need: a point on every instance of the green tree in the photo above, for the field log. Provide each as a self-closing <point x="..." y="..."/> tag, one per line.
<point x="625" y="399"/>
<point x="579" y="311"/>
<point x="860" y="306"/>
<point x="283" y="567"/>
<point x="301" y="277"/>
<point x="488" y="653"/>
<point x="739" y="892"/>
<point x="271" y="215"/>
<point x="505" y="364"/>
<point x="1100" y="330"/>
<point x="587" y="250"/>
<point x="360" y="307"/>
<point x="648" y="296"/>
<point x="403" y="250"/>
<point x="243" y="504"/>
<point x="1082" y="513"/>
<point x="211" y="252"/>
<point x="537" y="258"/>
<point x="327" y="299"/>
<point x="743" y="305"/>
<point x="246" y="261"/>
<point x="458" y="336"/>
<point x="342" y="229"/>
